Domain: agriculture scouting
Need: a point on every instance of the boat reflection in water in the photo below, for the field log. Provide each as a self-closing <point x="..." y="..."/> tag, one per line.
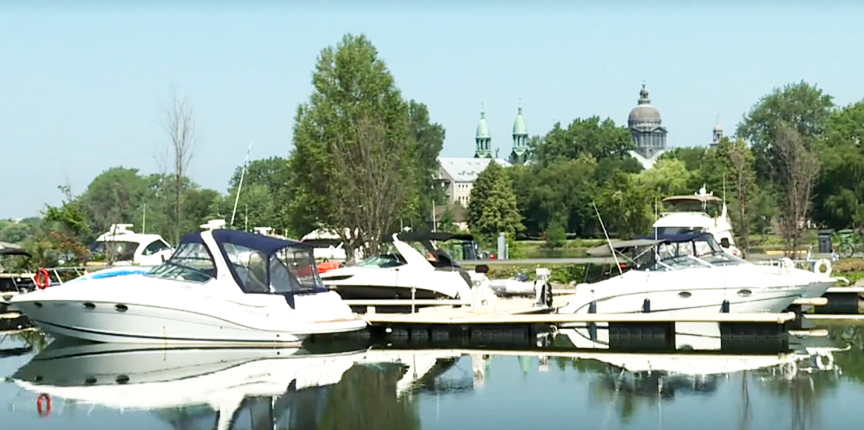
<point x="229" y="388"/>
<point x="358" y="386"/>
<point x="700" y="362"/>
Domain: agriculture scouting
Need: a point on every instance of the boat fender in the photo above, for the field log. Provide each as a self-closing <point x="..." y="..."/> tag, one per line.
<point x="43" y="405"/>
<point x="40" y="275"/>
<point x="822" y="267"/>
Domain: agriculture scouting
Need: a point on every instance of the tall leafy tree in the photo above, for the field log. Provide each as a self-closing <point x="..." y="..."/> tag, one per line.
<point x="840" y="187"/>
<point x="600" y="139"/>
<point x="116" y="196"/>
<point x="492" y="207"/>
<point x="801" y="106"/>
<point x="355" y="164"/>
<point x="430" y="139"/>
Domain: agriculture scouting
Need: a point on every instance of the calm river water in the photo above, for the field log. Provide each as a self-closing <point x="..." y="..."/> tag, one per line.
<point x="815" y="383"/>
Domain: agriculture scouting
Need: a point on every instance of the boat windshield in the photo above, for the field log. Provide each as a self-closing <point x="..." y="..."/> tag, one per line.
<point x="701" y="251"/>
<point x="382" y="261"/>
<point x="191" y="262"/>
<point x="712" y="208"/>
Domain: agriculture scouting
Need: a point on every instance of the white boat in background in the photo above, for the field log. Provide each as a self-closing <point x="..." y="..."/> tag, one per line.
<point x="123" y="246"/>
<point x="406" y="272"/>
<point x="691" y="273"/>
<point x="700" y="212"/>
<point x="219" y="287"/>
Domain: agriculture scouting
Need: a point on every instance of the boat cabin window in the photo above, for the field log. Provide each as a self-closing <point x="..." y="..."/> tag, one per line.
<point x="156" y="246"/>
<point x="294" y="271"/>
<point x="250" y="266"/>
<point x="117" y="250"/>
<point x="288" y="270"/>
<point x="665" y="231"/>
<point x="191" y="262"/>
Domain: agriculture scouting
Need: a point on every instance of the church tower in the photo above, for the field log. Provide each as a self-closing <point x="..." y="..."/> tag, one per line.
<point x="519" y="154"/>
<point x="718" y="134"/>
<point x="483" y="139"/>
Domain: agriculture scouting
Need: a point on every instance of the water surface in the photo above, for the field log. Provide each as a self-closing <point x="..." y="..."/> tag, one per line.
<point x="817" y="382"/>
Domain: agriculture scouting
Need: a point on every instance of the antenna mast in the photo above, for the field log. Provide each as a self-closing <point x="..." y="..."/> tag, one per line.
<point x="240" y="185"/>
<point x="609" y="242"/>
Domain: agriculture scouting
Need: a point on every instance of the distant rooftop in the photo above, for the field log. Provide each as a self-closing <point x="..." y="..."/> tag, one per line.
<point x="465" y="169"/>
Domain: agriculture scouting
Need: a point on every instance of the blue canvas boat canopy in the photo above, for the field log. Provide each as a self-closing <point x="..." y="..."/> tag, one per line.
<point x="265" y="244"/>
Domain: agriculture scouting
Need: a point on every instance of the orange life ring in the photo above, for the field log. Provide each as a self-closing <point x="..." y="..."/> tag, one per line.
<point x="42" y="273"/>
<point x="45" y="400"/>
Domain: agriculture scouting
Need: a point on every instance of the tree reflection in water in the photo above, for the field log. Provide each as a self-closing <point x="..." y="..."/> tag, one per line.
<point x="365" y="398"/>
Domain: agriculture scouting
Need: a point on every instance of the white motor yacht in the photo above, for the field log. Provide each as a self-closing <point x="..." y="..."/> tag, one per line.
<point x="127" y="247"/>
<point x="702" y="212"/>
<point x="221" y="286"/>
<point x="394" y="275"/>
<point x="691" y="273"/>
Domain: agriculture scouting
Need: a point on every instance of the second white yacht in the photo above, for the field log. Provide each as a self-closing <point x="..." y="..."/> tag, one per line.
<point x="691" y="273"/>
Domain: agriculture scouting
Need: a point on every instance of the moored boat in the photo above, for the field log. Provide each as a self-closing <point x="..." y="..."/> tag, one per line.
<point x="692" y="273"/>
<point x="219" y="287"/>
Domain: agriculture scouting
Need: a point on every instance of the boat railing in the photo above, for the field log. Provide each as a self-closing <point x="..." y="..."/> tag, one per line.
<point x="685" y="212"/>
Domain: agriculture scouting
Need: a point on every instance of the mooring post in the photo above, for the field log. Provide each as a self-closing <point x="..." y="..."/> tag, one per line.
<point x="646" y="306"/>
<point x="413" y="296"/>
<point x="592" y="308"/>
<point x="724" y="308"/>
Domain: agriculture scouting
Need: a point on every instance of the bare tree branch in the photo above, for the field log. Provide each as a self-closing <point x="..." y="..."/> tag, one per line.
<point x="181" y="130"/>
<point x="797" y="170"/>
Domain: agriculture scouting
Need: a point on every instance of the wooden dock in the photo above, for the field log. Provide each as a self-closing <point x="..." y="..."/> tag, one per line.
<point x="470" y="318"/>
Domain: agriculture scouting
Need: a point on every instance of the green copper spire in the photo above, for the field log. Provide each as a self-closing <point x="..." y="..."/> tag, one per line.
<point x="483" y="139"/>
<point x="483" y="126"/>
<point x="519" y="127"/>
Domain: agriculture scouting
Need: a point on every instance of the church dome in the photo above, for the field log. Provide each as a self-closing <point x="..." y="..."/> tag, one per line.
<point x="644" y="113"/>
<point x="519" y="127"/>
<point x="483" y="127"/>
<point x="718" y="127"/>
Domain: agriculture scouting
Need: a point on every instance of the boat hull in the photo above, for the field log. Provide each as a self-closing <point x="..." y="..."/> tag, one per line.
<point x="745" y="291"/>
<point x="162" y="325"/>
<point x="138" y="309"/>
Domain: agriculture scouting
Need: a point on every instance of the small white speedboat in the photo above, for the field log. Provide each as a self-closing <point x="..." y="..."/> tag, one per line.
<point x="219" y="287"/>
<point x="691" y="273"/>
<point x="406" y="273"/>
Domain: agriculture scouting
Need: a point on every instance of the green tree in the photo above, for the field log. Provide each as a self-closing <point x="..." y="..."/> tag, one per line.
<point x="492" y="206"/>
<point x="840" y="187"/>
<point x="667" y="177"/>
<point x="65" y="229"/>
<point x="116" y="196"/>
<point x="592" y="136"/>
<point x="355" y="164"/>
<point x="739" y="164"/>
<point x="798" y="168"/>
<point x="430" y="139"/>
<point x="561" y="191"/>
<point x="801" y="106"/>
<point x="625" y="206"/>
<point x="264" y="196"/>
<point x="15" y="232"/>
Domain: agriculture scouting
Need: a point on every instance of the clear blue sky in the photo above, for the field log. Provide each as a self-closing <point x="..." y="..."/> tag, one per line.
<point x="83" y="88"/>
